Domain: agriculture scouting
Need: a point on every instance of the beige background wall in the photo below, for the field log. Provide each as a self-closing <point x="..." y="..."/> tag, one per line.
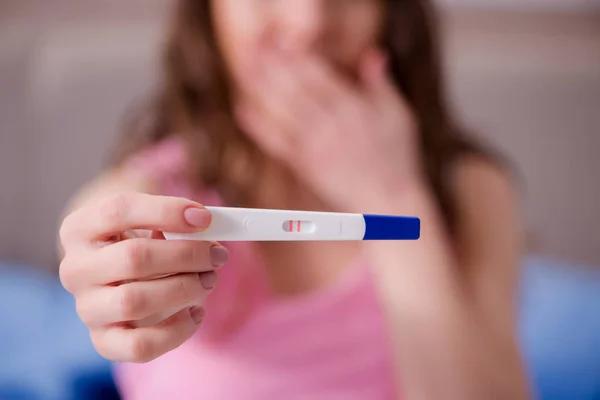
<point x="530" y="83"/>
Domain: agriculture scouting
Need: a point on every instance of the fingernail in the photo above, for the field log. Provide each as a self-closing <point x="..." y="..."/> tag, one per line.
<point x="197" y="314"/>
<point x="219" y="255"/>
<point x="208" y="280"/>
<point x="197" y="217"/>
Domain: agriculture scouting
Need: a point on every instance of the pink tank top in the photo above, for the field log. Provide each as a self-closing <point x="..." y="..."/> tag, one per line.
<point x="330" y="344"/>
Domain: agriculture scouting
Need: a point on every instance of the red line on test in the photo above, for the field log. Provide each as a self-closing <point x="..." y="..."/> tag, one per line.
<point x="299" y="225"/>
<point x="291" y="226"/>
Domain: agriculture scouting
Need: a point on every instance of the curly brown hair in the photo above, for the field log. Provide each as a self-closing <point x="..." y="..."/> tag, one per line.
<point x="193" y="101"/>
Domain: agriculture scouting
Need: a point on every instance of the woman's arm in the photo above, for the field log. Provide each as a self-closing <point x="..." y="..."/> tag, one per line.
<point x="450" y="308"/>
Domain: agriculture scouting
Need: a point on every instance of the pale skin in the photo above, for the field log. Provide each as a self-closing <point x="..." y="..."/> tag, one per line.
<point x="325" y="110"/>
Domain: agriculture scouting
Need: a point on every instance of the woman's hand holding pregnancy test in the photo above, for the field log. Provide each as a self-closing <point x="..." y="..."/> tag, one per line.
<point x="140" y="295"/>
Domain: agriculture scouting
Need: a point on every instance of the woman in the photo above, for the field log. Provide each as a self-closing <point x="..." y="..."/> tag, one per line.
<point x="333" y="105"/>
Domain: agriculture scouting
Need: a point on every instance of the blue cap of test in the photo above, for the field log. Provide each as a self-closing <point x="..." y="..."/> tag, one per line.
<point x="391" y="227"/>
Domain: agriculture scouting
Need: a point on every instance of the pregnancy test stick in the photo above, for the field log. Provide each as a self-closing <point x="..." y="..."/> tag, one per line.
<point x="253" y="225"/>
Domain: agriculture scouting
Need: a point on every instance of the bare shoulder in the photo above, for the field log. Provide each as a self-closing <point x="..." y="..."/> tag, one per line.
<point x="476" y="180"/>
<point x="488" y="220"/>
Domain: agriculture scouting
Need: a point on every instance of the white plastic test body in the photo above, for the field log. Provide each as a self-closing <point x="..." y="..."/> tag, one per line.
<point x="249" y="224"/>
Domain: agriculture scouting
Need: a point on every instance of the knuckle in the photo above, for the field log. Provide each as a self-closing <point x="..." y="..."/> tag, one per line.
<point x="131" y="302"/>
<point x="64" y="273"/>
<point x="82" y="306"/>
<point x="166" y="211"/>
<point x="190" y="253"/>
<point x="97" y="339"/>
<point x="194" y="254"/>
<point x="65" y="229"/>
<point x="141" y="349"/>
<point x="114" y="207"/>
<point x="67" y="273"/>
<point x="188" y="288"/>
<point x="137" y="256"/>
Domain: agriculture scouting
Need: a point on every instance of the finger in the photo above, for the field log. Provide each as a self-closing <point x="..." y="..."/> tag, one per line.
<point x="145" y="344"/>
<point x="136" y="301"/>
<point x="140" y="259"/>
<point x="271" y="95"/>
<point x="127" y="211"/>
<point x="328" y="87"/>
<point x="288" y="93"/>
<point x="283" y="114"/>
<point x="275" y="111"/>
<point x="267" y="135"/>
<point x="208" y="281"/>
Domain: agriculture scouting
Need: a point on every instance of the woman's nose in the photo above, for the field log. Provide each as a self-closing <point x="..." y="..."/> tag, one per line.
<point x="303" y="24"/>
